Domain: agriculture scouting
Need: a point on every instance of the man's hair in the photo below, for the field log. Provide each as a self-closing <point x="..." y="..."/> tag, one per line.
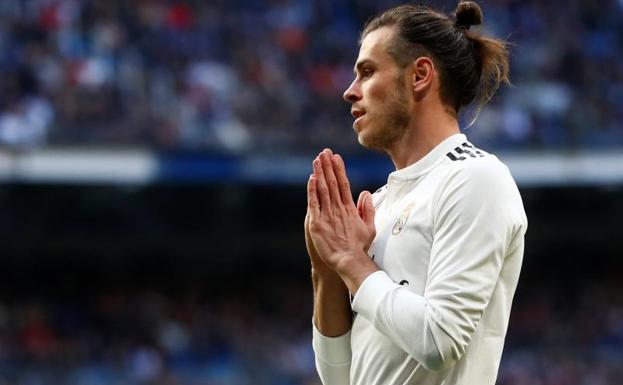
<point x="470" y="66"/>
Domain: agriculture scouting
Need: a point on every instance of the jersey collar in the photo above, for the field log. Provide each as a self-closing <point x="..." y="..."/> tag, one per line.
<point x="430" y="160"/>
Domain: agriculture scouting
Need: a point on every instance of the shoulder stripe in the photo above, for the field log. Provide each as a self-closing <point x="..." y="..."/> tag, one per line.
<point x="477" y="151"/>
<point x="465" y="149"/>
<point x="460" y="150"/>
<point x="454" y="157"/>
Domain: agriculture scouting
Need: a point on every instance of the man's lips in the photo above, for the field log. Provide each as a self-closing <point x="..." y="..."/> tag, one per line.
<point x="357" y="113"/>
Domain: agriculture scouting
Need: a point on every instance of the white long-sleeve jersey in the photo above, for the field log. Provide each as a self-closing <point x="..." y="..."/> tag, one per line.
<point x="449" y="243"/>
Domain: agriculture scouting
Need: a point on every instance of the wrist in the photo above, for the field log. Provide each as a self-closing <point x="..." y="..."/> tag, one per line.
<point x="354" y="269"/>
<point x="324" y="276"/>
<point x="322" y="272"/>
<point x="351" y="262"/>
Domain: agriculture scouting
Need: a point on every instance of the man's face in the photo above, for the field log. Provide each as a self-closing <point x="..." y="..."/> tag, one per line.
<point x="379" y="94"/>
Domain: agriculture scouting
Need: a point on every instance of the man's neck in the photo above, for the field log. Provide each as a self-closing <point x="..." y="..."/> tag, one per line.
<point x="425" y="133"/>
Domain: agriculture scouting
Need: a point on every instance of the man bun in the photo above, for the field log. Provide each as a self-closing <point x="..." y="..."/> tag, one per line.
<point x="467" y="14"/>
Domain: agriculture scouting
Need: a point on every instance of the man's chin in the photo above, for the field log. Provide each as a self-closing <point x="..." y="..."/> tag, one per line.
<point x="369" y="142"/>
<point x="361" y="137"/>
<point x="361" y="141"/>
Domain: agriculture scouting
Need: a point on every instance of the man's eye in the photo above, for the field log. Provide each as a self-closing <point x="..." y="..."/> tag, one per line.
<point x="367" y="72"/>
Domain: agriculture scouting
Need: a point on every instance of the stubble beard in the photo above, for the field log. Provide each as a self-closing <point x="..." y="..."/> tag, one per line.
<point x="394" y="119"/>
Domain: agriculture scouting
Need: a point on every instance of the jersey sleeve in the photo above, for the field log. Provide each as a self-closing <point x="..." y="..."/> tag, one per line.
<point x="476" y="217"/>
<point x="333" y="357"/>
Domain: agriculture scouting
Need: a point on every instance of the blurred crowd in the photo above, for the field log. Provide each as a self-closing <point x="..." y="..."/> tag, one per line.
<point x="566" y="331"/>
<point x="259" y="334"/>
<point x="250" y="75"/>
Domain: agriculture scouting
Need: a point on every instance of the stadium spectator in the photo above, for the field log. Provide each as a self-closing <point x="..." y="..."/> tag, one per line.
<point x="243" y="76"/>
<point x="129" y="334"/>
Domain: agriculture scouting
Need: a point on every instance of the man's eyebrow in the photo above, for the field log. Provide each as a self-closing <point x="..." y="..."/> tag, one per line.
<point x="361" y="64"/>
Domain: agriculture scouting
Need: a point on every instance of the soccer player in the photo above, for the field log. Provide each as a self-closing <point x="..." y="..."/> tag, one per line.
<point x="432" y="258"/>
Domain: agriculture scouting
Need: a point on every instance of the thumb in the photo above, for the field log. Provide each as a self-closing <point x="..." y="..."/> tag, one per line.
<point x="361" y="203"/>
<point x="370" y="210"/>
<point x="367" y="209"/>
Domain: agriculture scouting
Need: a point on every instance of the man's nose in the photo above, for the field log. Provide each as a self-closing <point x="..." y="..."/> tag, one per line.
<point x="352" y="93"/>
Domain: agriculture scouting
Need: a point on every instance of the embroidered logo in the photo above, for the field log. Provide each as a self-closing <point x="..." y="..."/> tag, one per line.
<point x="402" y="221"/>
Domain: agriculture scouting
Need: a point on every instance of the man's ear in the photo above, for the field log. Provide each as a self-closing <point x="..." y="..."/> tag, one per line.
<point x="423" y="74"/>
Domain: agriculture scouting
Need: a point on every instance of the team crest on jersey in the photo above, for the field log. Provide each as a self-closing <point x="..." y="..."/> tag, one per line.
<point x="402" y="221"/>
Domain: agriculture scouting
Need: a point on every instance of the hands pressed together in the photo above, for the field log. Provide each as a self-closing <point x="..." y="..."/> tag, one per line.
<point x="338" y="233"/>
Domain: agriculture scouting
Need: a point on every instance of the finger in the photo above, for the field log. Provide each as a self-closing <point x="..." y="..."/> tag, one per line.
<point x="368" y="211"/>
<point x="313" y="205"/>
<point x="308" y="241"/>
<point x="360" y="203"/>
<point x="342" y="180"/>
<point x="322" y="191"/>
<point x="327" y="167"/>
<point x="306" y="221"/>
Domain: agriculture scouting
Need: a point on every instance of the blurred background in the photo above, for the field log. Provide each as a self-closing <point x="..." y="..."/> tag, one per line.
<point x="153" y="156"/>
